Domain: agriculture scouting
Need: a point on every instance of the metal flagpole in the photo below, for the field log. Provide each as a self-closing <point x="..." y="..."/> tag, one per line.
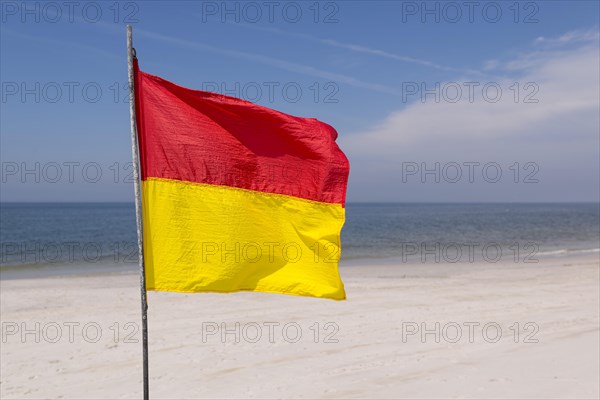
<point x="138" y="205"/>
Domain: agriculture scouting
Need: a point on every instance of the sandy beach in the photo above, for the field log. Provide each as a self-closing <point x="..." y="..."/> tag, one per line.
<point x="503" y="331"/>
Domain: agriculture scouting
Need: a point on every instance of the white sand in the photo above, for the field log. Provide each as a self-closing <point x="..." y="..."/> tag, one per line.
<point x="370" y="360"/>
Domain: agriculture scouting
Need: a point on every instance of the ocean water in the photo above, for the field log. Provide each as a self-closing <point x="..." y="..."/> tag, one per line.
<point x="105" y="233"/>
<point x="462" y="232"/>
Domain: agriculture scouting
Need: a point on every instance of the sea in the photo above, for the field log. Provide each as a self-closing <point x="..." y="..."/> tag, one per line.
<point x="102" y="234"/>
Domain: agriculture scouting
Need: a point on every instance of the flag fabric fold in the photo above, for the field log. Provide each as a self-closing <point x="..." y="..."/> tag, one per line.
<point x="236" y="196"/>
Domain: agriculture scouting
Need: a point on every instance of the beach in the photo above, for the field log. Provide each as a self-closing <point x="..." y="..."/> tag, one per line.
<point x="407" y="330"/>
<point x="300" y="200"/>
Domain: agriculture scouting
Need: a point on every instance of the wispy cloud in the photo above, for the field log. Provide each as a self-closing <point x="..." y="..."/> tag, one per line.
<point x="559" y="132"/>
<point x="359" y="49"/>
<point x="545" y="48"/>
<point x="575" y="36"/>
<point x="273" y="62"/>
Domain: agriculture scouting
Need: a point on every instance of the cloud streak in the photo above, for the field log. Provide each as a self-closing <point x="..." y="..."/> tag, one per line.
<point x="274" y="62"/>
<point x="360" y="49"/>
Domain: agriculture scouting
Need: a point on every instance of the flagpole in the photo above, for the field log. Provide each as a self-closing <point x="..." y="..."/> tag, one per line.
<point x="138" y="205"/>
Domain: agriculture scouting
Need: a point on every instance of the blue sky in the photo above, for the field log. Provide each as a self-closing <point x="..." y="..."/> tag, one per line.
<point x="360" y="66"/>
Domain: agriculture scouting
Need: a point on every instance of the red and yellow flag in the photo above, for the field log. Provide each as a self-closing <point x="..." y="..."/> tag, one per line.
<point x="236" y="196"/>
